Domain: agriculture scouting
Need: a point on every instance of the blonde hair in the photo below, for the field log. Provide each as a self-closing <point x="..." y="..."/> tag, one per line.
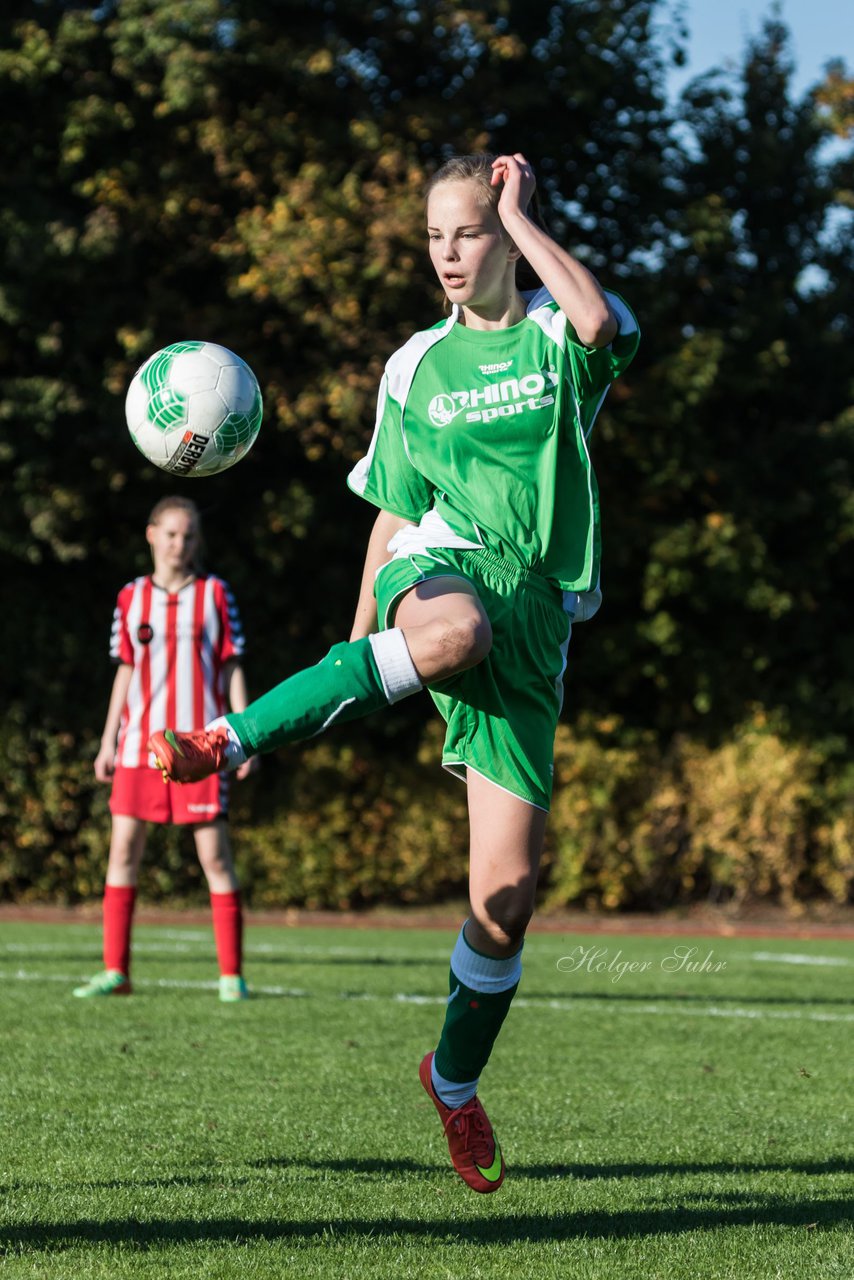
<point x="176" y="502"/>
<point x="477" y="169"/>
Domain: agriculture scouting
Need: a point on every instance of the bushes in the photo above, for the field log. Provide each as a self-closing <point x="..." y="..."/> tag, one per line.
<point x="342" y="824"/>
<point x="54" y="824"/>
<point x="345" y="827"/>
<point x="755" y="818"/>
<point x="326" y="826"/>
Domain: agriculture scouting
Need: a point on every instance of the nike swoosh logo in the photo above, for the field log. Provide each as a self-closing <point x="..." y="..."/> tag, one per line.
<point x="493" y="1173"/>
<point x="454" y="994"/>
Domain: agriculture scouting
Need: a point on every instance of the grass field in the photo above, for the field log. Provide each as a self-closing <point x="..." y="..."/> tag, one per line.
<point x="656" y="1122"/>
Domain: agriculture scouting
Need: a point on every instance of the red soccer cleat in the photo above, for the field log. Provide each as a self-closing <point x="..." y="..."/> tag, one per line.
<point x="189" y="757"/>
<point x="475" y="1153"/>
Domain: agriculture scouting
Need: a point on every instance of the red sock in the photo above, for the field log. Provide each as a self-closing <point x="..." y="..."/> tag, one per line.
<point x="118" y="917"/>
<point x="228" y="932"/>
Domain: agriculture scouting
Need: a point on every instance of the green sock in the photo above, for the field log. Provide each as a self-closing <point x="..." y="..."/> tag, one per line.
<point x="472" y="1023"/>
<point x="351" y="681"/>
<point x="482" y="989"/>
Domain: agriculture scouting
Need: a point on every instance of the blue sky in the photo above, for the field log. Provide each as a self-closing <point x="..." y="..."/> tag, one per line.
<point x="719" y="30"/>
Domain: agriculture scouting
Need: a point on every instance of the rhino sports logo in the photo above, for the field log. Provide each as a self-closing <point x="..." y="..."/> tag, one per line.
<point x="443" y="408"/>
<point x="496" y="400"/>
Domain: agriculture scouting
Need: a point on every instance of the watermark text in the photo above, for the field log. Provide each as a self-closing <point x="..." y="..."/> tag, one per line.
<point x="679" y="959"/>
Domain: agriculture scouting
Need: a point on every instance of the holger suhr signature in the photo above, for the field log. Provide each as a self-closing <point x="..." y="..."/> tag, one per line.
<point x="679" y="959"/>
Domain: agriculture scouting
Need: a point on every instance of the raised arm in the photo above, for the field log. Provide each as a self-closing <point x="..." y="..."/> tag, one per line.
<point x="573" y="287"/>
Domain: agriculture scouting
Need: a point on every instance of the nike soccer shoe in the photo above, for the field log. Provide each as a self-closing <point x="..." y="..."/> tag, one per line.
<point x="475" y="1153"/>
<point x="189" y="757"/>
<point x="109" y="983"/>
<point x="232" y="987"/>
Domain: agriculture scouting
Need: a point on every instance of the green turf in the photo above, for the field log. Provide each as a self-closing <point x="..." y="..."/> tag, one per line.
<point x="663" y="1124"/>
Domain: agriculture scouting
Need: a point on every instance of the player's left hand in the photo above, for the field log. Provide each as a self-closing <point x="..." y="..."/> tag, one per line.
<point x="252" y="765"/>
<point x="519" y="183"/>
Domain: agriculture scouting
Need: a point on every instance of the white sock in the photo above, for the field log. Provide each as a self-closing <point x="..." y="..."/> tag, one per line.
<point x="451" y="1092"/>
<point x="396" y="668"/>
<point x="484" y="973"/>
<point x="234" y="753"/>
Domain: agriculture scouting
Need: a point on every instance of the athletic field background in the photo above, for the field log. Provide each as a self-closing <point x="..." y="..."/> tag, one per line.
<point x="259" y="182"/>
<point x="657" y="1121"/>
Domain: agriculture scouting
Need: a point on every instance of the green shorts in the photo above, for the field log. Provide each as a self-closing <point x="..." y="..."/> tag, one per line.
<point x="502" y="714"/>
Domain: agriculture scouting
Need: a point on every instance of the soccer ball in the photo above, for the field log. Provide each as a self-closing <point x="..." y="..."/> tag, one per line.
<point x="194" y="408"/>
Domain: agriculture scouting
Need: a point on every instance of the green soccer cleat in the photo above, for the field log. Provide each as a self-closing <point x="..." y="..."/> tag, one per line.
<point x="232" y="987"/>
<point x="109" y="983"/>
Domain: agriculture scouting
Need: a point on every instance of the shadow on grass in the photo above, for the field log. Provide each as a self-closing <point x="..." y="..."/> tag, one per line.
<point x="377" y="1166"/>
<point x="582" y="1172"/>
<point x="166" y="1183"/>
<point x="497" y="1229"/>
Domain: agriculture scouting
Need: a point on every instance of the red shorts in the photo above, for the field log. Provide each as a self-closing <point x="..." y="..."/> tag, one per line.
<point x="142" y="794"/>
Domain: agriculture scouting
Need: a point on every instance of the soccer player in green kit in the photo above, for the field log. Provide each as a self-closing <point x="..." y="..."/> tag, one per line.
<point x="485" y="549"/>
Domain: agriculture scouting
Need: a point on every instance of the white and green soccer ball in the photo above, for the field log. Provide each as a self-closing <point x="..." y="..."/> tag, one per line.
<point x="194" y="408"/>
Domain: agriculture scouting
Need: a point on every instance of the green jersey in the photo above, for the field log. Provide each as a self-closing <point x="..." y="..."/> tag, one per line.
<point x="481" y="439"/>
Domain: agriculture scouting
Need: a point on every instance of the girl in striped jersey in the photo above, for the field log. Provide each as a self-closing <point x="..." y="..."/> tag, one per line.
<point x="178" y="643"/>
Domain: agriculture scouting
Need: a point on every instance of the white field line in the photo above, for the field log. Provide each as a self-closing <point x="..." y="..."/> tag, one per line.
<point x="785" y="957"/>
<point x="302" y="949"/>
<point x="254" y="949"/>
<point x="24" y="975"/>
<point x="184" y="942"/>
<point x="521" y="1002"/>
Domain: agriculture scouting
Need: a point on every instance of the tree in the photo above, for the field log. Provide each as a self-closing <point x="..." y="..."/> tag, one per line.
<point x="253" y="173"/>
<point x="730" y="530"/>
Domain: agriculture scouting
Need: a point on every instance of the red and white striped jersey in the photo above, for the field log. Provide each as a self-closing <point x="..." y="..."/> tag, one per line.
<point x="177" y="643"/>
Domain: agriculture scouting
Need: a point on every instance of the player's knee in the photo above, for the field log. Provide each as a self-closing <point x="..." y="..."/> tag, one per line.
<point x="466" y="640"/>
<point x="121" y="863"/>
<point x="504" y="919"/>
<point x="215" y="865"/>
<point x="215" y="856"/>
<point x="214" y="868"/>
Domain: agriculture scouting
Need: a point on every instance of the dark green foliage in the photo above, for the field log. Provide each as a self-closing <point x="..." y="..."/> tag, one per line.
<point x="252" y="174"/>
